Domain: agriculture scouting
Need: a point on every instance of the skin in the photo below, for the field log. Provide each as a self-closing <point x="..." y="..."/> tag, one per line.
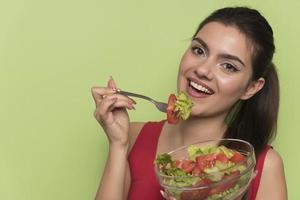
<point x="219" y="59"/>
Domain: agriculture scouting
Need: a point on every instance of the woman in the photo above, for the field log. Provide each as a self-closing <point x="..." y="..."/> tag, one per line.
<point x="228" y="73"/>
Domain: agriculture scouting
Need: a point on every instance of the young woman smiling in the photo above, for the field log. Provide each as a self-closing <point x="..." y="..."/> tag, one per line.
<point x="227" y="72"/>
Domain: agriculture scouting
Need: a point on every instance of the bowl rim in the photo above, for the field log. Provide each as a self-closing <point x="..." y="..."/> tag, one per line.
<point x="250" y="167"/>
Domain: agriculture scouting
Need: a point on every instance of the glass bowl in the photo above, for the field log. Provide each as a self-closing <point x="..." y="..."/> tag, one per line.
<point x="225" y="183"/>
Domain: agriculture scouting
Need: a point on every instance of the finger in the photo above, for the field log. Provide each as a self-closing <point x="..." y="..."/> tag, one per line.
<point x="118" y="96"/>
<point x="111" y="102"/>
<point x="99" y="92"/>
<point x="102" y="91"/>
<point x="101" y="113"/>
<point x="163" y="194"/>
<point x="111" y="83"/>
<point x="104" y="111"/>
<point x="121" y="103"/>
<point x="254" y="174"/>
<point x="106" y="105"/>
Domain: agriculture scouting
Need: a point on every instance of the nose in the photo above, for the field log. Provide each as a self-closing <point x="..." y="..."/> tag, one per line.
<point x="204" y="70"/>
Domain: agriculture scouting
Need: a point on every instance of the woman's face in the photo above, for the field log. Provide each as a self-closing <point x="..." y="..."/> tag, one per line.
<point x="216" y="70"/>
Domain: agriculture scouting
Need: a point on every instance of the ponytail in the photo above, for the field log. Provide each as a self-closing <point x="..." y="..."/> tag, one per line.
<point x="255" y="119"/>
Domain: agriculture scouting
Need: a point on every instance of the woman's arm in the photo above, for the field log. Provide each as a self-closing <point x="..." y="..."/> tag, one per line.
<point x="134" y="129"/>
<point x="111" y="113"/>
<point x="112" y="186"/>
<point x="272" y="184"/>
<point x="116" y="174"/>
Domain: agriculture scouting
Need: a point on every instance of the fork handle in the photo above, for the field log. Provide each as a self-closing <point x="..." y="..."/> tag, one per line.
<point x="133" y="94"/>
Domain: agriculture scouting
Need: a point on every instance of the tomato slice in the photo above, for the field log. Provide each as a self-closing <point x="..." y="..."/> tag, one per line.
<point x="222" y="158"/>
<point x="188" y="166"/>
<point x="172" y="116"/>
<point x="238" y="158"/>
<point x="197" y="171"/>
<point x="177" y="163"/>
<point x="204" y="161"/>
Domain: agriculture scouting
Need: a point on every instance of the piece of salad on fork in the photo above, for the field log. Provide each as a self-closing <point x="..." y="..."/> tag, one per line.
<point x="179" y="107"/>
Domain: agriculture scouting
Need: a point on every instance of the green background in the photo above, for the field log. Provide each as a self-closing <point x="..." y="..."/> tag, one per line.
<point x="53" y="51"/>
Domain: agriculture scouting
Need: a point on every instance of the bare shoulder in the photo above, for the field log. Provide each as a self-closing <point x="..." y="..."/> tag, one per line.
<point x="134" y="130"/>
<point x="273" y="160"/>
<point x="272" y="184"/>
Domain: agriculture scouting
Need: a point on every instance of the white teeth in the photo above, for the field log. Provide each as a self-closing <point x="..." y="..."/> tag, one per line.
<point x="199" y="87"/>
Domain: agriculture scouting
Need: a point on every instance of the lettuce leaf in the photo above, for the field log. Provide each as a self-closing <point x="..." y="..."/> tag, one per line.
<point x="183" y="105"/>
<point x="163" y="159"/>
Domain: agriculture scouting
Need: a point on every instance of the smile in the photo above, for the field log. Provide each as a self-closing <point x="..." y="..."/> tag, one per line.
<point x="200" y="88"/>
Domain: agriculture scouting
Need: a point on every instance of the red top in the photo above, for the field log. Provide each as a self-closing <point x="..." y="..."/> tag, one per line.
<point x="144" y="184"/>
<point x="260" y="159"/>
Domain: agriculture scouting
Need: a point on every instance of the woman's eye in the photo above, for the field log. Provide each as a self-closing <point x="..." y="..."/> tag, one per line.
<point x="229" y="67"/>
<point x="197" y="50"/>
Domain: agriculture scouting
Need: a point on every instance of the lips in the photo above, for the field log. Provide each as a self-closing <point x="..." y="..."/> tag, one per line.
<point x="197" y="88"/>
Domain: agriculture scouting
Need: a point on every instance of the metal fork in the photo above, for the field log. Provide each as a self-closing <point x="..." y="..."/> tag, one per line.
<point x="159" y="105"/>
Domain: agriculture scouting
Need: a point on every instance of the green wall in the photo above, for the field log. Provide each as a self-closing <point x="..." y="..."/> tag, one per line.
<point x="53" y="51"/>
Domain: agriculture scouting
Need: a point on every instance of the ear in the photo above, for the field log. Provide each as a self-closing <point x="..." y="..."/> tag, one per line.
<point x="253" y="88"/>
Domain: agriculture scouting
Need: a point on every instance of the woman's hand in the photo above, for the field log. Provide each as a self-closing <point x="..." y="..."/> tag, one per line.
<point x="111" y="113"/>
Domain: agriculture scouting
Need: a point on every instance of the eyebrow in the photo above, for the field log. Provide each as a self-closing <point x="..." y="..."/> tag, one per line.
<point x="228" y="56"/>
<point x="200" y="41"/>
<point x="232" y="57"/>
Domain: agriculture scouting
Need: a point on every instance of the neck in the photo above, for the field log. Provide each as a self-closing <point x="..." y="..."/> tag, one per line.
<point x="197" y="129"/>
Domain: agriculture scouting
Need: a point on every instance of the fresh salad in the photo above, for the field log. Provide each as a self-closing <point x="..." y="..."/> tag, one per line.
<point x="203" y="166"/>
<point x="179" y="107"/>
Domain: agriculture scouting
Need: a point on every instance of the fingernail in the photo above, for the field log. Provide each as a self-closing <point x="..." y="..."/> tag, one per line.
<point x="133" y="101"/>
<point x="132" y="106"/>
<point x="162" y="193"/>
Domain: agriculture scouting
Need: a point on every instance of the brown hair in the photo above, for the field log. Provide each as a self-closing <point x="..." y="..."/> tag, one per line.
<point x="255" y="119"/>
